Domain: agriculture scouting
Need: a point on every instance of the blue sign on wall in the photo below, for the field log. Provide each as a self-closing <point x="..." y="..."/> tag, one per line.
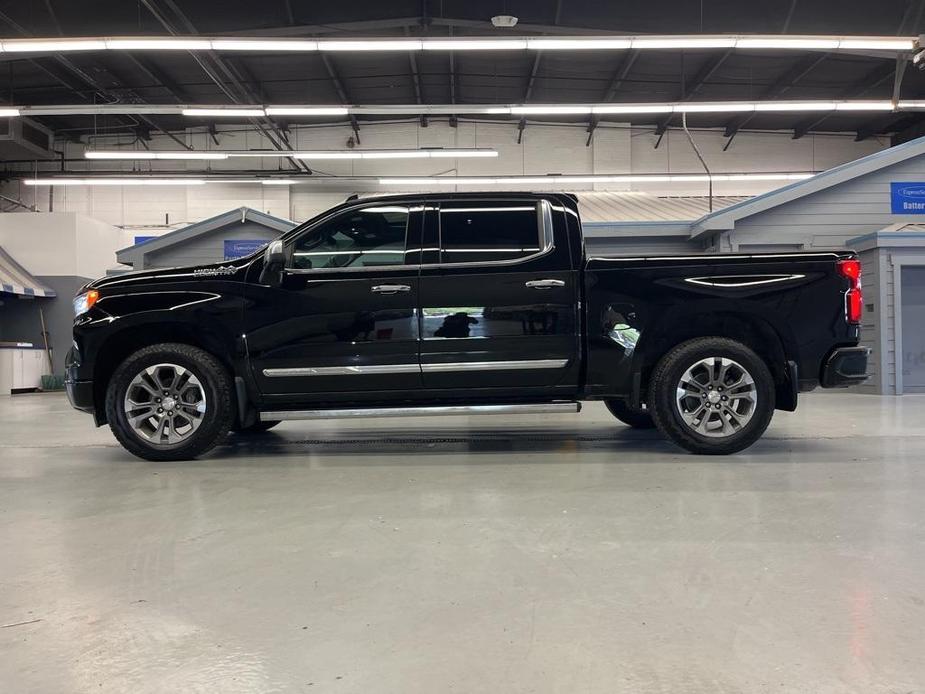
<point x="907" y="198"/>
<point x="238" y="248"/>
<point x="142" y="239"/>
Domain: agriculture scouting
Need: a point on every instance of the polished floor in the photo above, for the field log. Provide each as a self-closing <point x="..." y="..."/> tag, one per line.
<point x="530" y="554"/>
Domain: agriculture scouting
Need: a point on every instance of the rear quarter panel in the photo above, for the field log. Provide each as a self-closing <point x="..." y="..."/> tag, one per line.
<point x="639" y="308"/>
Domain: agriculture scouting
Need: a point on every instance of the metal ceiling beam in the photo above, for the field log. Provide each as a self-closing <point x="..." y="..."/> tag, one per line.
<point x="870" y="81"/>
<point x="341" y="91"/>
<point x="44" y="65"/>
<point x="277" y="138"/>
<point x="781" y="86"/>
<point x="619" y="77"/>
<point x="705" y="73"/>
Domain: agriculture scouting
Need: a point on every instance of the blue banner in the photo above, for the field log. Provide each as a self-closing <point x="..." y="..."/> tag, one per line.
<point x="238" y="248"/>
<point x="907" y="198"/>
<point x="142" y="239"/>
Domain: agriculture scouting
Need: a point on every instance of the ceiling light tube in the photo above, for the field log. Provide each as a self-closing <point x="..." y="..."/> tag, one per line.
<point x="146" y="154"/>
<point x="9" y="112"/>
<point x="718" y="107"/>
<point x="474" y="44"/>
<point x="52" y="45"/>
<point x="264" y="45"/>
<point x="226" y="112"/>
<point x="570" y="44"/>
<point x="882" y="105"/>
<point x="550" y="110"/>
<point x="877" y="44"/>
<point x="158" y="44"/>
<point x="461" y="153"/>
<point x="139" y="181"/>
<point x="278" y="182"/>
<point x="307" y="110"/>
<point x="773" y="42"/>
<point x="796" y="106"/>
<point x="633" y="108"/>
<point x="371" y="45"/>
<point x="600" y="178"/>
<point x="685" y="42"/>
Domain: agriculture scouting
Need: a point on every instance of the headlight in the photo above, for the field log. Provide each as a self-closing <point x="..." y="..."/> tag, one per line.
<point x="84" y="302"/>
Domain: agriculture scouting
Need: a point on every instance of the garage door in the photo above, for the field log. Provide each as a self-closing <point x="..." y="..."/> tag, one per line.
<point x="913" y="325"/>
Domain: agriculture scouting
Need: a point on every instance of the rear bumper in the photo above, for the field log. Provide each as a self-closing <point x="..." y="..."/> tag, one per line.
<point x="846" y="366"/>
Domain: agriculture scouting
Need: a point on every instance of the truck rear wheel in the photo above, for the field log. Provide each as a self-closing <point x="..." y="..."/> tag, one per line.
<point x="170" y="402"/>
<point x="638" y="418"/>
<point x="712" y="395"/>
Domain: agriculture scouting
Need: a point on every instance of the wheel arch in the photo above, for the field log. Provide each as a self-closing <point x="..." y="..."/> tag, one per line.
<point x="773" y="343"/>
<point x="137" y="335"/>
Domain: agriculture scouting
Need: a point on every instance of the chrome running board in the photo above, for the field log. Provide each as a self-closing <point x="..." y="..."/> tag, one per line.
<point x="437" y="410"/>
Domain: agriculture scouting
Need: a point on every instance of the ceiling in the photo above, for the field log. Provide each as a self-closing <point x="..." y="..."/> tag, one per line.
<point x="462" y="77"/>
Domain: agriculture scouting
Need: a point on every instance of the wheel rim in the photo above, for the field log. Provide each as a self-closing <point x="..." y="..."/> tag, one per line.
<point x="716" y="397"/>
<point x="165" y="404"/>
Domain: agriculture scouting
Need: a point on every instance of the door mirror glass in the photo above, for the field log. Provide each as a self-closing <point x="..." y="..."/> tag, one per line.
<point x="274" y="260"/>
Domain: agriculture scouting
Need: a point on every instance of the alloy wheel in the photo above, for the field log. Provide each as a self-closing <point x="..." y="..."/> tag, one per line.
<point x="716" y="397"/>
<point x="164" y="404"/>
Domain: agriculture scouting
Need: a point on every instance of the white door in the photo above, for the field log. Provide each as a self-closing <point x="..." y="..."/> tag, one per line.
<point x="913" y="326"/>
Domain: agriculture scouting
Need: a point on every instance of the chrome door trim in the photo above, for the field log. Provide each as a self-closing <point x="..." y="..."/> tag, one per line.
<point x="415" y="368"/>
<point x="438" y="410"/>
<point x="495" y="365"/>
<point x="342" y="370"/>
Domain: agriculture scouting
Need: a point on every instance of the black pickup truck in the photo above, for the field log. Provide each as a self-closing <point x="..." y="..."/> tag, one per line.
<point x="461" y="304"/>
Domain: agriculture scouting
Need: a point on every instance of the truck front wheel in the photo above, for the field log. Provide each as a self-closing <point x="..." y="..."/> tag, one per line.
<point x="170" y="402"/>
<point x="712" y="395"/>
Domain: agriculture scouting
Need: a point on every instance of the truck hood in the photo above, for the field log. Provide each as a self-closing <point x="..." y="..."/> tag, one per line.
<point x="229" y="270"/>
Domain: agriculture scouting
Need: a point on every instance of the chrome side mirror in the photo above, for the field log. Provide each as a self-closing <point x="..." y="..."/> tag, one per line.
<point x="274" y="260"/>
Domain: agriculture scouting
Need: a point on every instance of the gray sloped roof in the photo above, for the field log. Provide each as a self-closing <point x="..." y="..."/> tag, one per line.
<point x="644" y="207"/>
<point x="724" y="220"/>
<point x="15" y="279"/>
<point x="132" y="254"/>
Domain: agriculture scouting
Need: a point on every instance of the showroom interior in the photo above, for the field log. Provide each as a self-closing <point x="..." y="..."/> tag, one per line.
<point x="164" y="156"/>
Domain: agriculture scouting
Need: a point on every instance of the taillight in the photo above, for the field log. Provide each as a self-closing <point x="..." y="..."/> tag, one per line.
<point x="854" y="300"/>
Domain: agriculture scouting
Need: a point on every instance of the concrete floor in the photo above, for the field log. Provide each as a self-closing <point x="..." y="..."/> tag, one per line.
<point x="561" y="554"/>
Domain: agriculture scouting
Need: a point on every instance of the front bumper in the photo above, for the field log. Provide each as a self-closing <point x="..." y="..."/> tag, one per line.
<point x="80" y="395"/>
<point x="846" y="366"/>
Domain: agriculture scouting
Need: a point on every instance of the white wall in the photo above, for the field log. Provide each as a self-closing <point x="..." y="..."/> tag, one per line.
<point x="545" y="149"/>
<point x="61" y="244"/>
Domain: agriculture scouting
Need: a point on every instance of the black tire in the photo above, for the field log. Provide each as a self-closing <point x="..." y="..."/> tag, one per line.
<point x="255" y="428"/>
<point x="631" y="416"/>
<point x="215" y="385"/>
<point x="667" y="408"/>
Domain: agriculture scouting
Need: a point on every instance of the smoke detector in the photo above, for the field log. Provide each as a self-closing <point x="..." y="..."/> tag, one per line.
<point x="504" y="21"/>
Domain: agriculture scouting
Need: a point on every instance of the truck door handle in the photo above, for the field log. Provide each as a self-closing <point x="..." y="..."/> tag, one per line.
<point x="544" y="284"/>
<point x="390" y="288"/>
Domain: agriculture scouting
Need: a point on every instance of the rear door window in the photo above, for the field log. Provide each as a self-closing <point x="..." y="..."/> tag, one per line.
<point x="480" y="232"/>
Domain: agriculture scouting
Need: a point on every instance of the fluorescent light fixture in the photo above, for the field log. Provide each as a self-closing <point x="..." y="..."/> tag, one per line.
<point x="474" y="44"/>
<point x="685" y="42"/>
<point x="146" y="154"/>
<point x="796" y="106"/>
<point x="806" y="43"/>
<point x="138" y="181"/>
<point x="9" y="112"/>
<point x="371" y="45"/>
<point x="328" y="155"/>
<point x="52" y="45"/>
<point x="229" y="112"/>
<point x="718" y="107"/>
<point x="158" y="44"/>
<point x="579" y="44"/>
<point x="634" y="108"/>
<point x="550" y="110"/>
<point x="911" y="105"/>
<point x="461" y="153"/>
<point x="307" y="110"/>
<point x="882" y="105"/>
<point x="264" y="45"/>
<point x="577" y="180"/>
<point x="278" y="182"/>
<point x="877" y="44"/>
